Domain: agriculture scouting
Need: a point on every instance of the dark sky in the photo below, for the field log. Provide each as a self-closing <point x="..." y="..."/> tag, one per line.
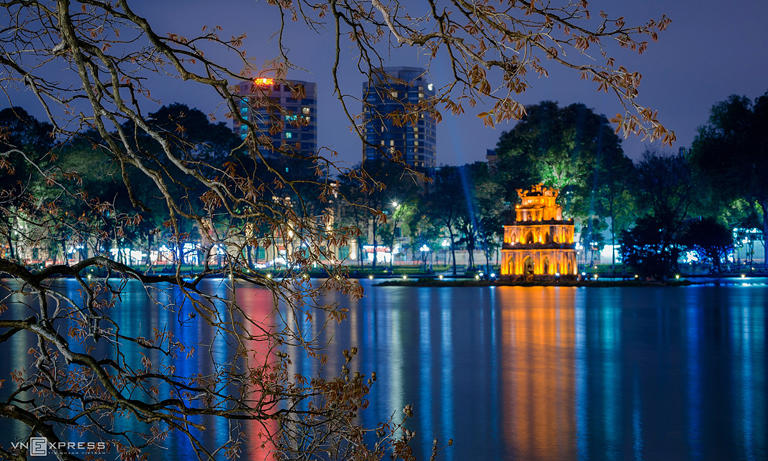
<point x="711" y="50"/>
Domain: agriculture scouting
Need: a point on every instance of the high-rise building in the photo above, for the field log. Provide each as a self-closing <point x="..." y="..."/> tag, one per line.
<point x="286" y="114"/>
<point x="389" y="97"/>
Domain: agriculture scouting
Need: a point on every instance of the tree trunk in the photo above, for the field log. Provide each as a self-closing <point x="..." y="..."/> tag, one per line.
<point x="359" y="251"/>
<point x="453" y="250"/>
<point x="203" y="255"/>
<point x="149" y="250"/>
<point x="373" y="265"/>
<point x="613" y="237"/>
<point x="180" y="252"/>
<point x="764" y="206"/>
<point x="63" y="244"/>
<point x="10" y="245"/>
<point x="471" y="251"/>
<point x="392" y="245"/>
<point x="487" y="252"/>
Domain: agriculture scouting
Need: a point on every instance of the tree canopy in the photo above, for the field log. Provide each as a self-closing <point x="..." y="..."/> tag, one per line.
<point x="570" y="148"/>
<point x="731" y="151"/>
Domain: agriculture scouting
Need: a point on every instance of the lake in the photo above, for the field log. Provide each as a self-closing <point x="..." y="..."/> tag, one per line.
<point x="541" y="373"/>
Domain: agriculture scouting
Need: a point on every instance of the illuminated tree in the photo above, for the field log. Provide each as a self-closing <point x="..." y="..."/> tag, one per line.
<point x="570" y="148"/>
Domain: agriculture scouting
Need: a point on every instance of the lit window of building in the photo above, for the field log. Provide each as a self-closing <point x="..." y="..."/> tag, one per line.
<point x="281" y="109"/>
<point x="395" y="90"/>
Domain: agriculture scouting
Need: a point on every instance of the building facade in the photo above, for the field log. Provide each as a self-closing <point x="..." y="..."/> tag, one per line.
<point x="539" y="242"/>
<point x="285" y="112"/>
<point x="388" y="97"/>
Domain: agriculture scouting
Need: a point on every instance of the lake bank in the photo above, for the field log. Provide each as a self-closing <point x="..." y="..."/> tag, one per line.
<point x="534" y="283"/>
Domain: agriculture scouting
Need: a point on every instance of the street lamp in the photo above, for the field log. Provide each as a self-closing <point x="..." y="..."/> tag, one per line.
<point x="445" y="244"/>
<point x="424" y="252"/>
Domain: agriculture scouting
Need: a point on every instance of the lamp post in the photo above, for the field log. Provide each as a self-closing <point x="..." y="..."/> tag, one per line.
<point x="445" y="244"/>
<point x="424" y="252"/>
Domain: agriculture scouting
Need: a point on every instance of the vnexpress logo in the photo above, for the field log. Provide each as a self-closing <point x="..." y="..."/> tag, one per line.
<point x="38" y="446"/>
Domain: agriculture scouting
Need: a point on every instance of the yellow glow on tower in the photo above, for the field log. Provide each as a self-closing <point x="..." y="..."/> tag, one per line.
<point x="539" y="241"/>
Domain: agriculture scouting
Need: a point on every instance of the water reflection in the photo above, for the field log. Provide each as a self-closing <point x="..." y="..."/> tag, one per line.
<point x="522" y="373"/>
<point x="748" y="343"/>
<point x="538" y="376"/>
<point x="258" y="305"/>
<point x="569" y="373"/>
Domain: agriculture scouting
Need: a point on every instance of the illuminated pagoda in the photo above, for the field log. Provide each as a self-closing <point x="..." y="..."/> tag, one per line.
<point x="539" y="242"/>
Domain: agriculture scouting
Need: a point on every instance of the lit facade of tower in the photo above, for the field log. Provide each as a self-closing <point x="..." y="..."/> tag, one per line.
<point x="390" y="93"/>
<point x="286" y="114"/>
<point x="539" y="241"/>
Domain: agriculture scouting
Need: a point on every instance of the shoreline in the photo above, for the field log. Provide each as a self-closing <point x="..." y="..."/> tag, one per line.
<point x="539" y="283"/>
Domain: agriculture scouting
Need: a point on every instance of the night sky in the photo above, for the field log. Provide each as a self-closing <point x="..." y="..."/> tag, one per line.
<point x="711" y="50"/>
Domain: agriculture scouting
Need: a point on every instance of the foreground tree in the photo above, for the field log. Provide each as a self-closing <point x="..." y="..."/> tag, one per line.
<point x="91" y="65"/>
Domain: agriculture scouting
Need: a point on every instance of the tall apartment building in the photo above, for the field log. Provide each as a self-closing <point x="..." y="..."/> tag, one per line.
<point x="286" y="113"/>
<point x="392" y="90"/>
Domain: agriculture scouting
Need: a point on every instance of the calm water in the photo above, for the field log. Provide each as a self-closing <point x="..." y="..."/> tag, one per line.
<point x="534" y="373"/>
